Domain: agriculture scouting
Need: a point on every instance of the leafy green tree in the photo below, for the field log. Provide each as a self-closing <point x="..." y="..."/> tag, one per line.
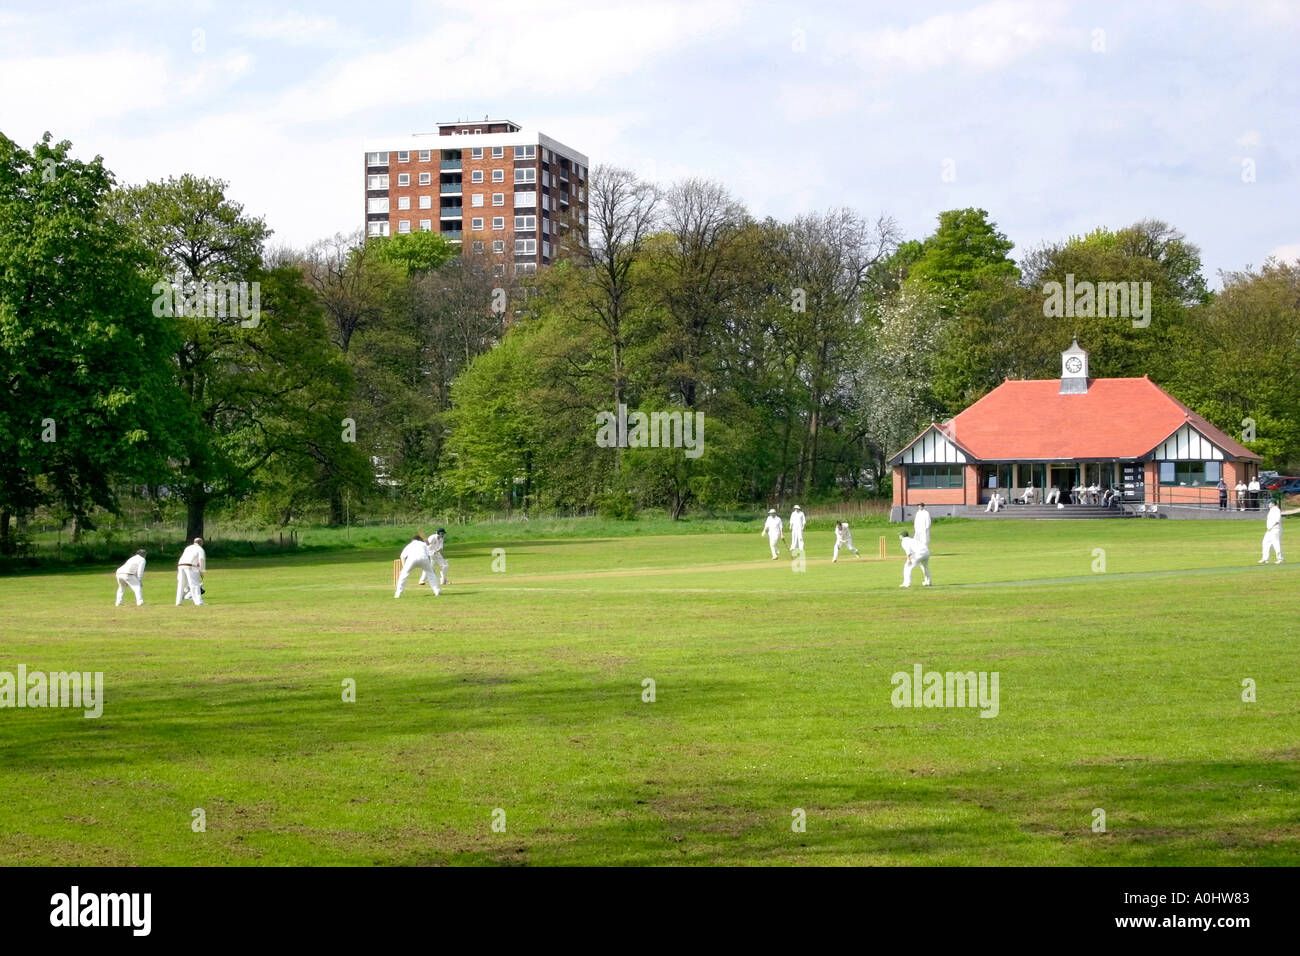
<point x="255" y="383"/>
<point x="1244" y="374"/>
<point x="82" y="358"/>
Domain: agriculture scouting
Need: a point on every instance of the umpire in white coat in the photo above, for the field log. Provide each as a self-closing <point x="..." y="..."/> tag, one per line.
<point x="921" y="527"/>
<point x="798" y="520"/>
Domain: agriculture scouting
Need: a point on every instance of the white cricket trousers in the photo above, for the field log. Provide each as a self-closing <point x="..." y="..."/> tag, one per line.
<point x="923" y="561"/>
<point x="847" y="545"/>
<point x="1272" y="542"/>
<point x="772" y="539"/>
<point x="131" y="581"/>
<point x="441" y="564"/>
<point x="188" y="585"/>
<point x="425" y="566"/>
<point x="796" y="540"/>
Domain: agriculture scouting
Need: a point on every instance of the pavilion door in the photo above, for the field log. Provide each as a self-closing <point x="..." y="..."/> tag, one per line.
<point x="1064" y="477"/>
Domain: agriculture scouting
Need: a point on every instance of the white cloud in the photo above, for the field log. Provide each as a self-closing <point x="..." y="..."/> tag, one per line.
<point x="1248" y="139"/>
<point x="807" y="102"/>
<point x="1287" y="253"/>
<point x="470" y="58"/>
<point x="296" y="29"/>
<point x="983" y="38"/>
<point x="73" y="91"/>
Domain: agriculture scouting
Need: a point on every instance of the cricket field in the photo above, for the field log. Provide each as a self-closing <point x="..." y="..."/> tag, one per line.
<point x="672" y="699"/>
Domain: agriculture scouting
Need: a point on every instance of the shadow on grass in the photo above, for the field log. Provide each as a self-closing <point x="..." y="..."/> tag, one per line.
<point x="250" y="717"/>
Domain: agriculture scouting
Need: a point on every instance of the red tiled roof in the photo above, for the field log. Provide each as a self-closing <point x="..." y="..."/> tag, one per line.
<point x="1029" y="420"/>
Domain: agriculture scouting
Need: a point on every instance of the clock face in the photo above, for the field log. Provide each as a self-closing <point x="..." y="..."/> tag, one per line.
<point x="1073" y="365"/>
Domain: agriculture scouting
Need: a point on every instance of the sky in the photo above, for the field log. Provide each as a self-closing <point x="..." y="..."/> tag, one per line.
<point x="1056" y="117"/>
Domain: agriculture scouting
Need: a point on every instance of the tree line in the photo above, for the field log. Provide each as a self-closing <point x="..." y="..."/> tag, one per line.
<point x="397" y="369"/>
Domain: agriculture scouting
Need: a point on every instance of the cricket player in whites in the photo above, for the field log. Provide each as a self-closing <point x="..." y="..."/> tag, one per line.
<point x="129" y="575"/>
<point x="416" y="555"/>
<point x="189" y="573"/>
<point x="772" y="528"/>
<point x="436" y="544"/>
<point x="1272" y="534"/>
<point x="843" y="539"/>
<point x="921" y="527"/>
<point x="917" y="553"/>
<point x="798" y="521"/>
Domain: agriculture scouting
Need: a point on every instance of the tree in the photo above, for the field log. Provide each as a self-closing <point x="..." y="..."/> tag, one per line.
<point x="253" y="382"/>
<point x="83" y="361"/>
<point x="622" y="211"/>
<point x="1244" y="374"/>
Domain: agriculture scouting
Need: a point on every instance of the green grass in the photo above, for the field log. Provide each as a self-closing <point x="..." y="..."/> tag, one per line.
<point x="522" y="691"/>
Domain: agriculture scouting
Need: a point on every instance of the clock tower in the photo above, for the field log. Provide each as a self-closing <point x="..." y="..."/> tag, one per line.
<point x="1074" y="370"/>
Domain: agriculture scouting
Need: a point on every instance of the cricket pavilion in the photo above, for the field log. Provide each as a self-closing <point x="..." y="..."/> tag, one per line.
<point x="1070" y="448"/>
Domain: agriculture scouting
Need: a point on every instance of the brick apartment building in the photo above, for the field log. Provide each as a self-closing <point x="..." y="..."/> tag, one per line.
<point x="516" y="197"/>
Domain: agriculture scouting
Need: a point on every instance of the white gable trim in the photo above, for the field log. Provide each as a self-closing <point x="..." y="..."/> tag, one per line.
<point x="1188" y="444"/>
<point x="932" y="448"/>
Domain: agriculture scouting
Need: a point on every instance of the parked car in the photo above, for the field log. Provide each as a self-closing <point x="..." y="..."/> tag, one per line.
<point x="1287" y="485"/>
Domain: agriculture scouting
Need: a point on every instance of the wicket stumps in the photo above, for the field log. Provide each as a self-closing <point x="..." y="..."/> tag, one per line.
<point x="397" y="568"/>
<point x="882" y="549"/>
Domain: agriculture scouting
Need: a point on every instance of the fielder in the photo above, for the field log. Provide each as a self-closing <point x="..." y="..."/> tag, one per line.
<point x="917" y="553"/>
<point x="1272" y="534"/>
<point x="189" y="573"/>
<point x="921" y="527"/>
<point x="798" y="521"/>
<point x="843" y="539"/>
<point x="772" y="528"/>
<point x="415" y="555"/>
<point x="129" y="575"/>
<point x="436" y="544"/>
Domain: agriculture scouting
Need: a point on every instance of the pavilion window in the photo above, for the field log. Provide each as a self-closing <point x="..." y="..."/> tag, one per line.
<point x="934" y="476"/>
<point x="1190" y="472"/>
<point x="995" y="476"/>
